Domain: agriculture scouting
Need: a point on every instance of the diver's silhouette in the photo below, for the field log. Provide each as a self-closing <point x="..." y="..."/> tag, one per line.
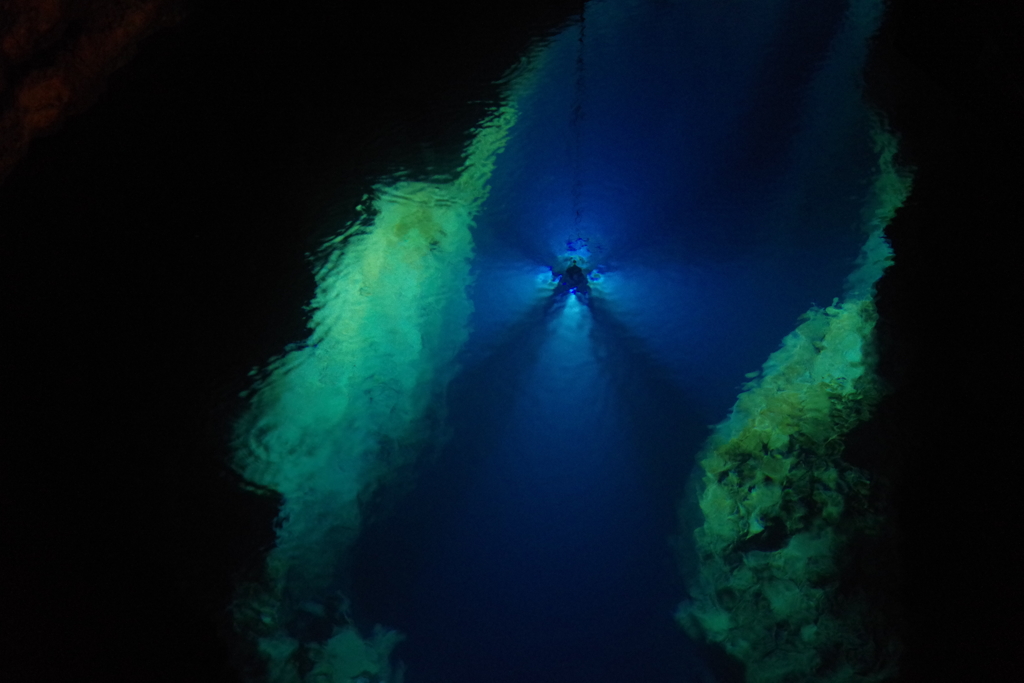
<point x="573" y="280"/>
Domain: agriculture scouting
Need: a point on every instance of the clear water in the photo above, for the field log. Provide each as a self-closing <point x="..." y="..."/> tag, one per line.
<point x="723" y="166"/>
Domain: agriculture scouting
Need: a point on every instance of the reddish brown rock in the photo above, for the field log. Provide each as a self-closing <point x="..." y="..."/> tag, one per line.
<point x="56" y="56"/>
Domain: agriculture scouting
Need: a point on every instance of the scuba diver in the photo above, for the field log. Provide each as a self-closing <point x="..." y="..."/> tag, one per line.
<point x="573" y="281"/>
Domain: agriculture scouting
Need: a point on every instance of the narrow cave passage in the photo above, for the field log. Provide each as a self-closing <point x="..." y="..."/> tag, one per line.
<point x="702" y="194"/>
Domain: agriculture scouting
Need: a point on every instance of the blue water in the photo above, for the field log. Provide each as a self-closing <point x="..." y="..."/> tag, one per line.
<point x="724" y="161"/>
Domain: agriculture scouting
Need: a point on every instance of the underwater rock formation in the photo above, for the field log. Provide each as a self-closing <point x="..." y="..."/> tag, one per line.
<point x="779" y="506"/>
<point x="336" y="418"/>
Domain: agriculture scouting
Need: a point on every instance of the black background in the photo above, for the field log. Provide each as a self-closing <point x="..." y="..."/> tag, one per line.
<point x="153" y="253"/>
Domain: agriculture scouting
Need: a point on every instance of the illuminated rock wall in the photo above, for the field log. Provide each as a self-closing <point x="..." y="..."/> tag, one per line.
<point x="334" y="418"/>
<point x="778" y="504"/>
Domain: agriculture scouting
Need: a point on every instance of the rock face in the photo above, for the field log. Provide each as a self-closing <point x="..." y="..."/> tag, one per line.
<point x="56" y="55"/>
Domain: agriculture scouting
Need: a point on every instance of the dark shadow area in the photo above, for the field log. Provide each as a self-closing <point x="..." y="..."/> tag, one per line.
<point x="949" y="79"/>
